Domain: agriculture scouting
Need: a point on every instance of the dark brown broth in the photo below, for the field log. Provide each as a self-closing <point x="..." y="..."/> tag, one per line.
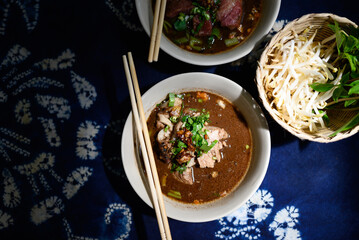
<point x="250" y="16"/>
<point x="232" y="167"/>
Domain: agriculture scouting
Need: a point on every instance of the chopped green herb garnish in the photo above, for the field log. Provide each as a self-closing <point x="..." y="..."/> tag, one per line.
<point x="178" y="167"/>
<point x="206" y="148"/>
<point x="166" y="128"/>
<point x="171" y="100"/>
<point x="181" y="144"/>
<point x="174" y="194"/>
<point x="180" y="23"/>
<point x="174" y="119"/>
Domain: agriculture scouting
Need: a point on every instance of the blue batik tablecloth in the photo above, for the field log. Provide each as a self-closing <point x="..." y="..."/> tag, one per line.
<point x="63" y="104"/>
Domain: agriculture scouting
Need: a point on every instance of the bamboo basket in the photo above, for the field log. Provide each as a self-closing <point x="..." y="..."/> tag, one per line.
<point x="310" y="23"/>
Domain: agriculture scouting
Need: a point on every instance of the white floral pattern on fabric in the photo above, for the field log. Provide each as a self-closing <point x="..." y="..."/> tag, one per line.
<point x="65" y="60"/>
<point x="243" y="221"/>
<point x="22" y="112"/>
<point x="11" y="197"/>
<point x="40" y="169"/>
<point x="70" y="235"/>
<point x="8" y="144"/>
<point x="247" y="221"/>
<point x="5" y="220"/>
<point x="29" y="10"/>
<point x="46" y="209"/>
<point x="284" y="224"/>
<point x="15" y="55"/>
<point x="121" y="216"/>
<point x="52" y="137"/>
<point x="117" y="224"/>
<point x="55" y="105"/>
<point x="76" y="180"/>
<point x="38" y="82"/>
<point x="123" y="13"/>
<point x="86" y="132"/>
<point x="86" y="93"/>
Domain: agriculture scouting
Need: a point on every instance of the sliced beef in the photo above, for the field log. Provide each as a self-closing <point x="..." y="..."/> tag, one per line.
<point x="174" y="7"/>
<point x="229" y="13"/>
<point x="186" y="177"/>
<point x="206" y="28"/>
<point x="207" y="160"/>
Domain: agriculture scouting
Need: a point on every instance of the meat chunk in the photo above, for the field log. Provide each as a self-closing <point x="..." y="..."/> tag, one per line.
<point x="230" y="13"/>
<point x="163" y="121"/>
<point x="165" y="148"/>
<point x="205" y="29"/>
<point x="164" y="137"/>
<point x="174" y="7"/>
<point x="186" y="177"/>
<point x="184" y="156"/>
<point x="207" y="160"/>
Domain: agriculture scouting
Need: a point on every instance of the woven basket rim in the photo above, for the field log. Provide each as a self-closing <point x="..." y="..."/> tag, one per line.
<point x="263" y="96"/>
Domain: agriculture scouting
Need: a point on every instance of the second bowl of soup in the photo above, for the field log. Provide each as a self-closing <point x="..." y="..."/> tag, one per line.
<point x="211" y="144"/>
<point x="211" y="32"/>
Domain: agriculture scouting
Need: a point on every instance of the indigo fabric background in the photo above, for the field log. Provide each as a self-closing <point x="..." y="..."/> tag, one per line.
<point x="63" y="104"/>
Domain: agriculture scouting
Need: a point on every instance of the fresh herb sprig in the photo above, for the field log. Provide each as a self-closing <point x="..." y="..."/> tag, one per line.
<point x="346" y="93"/>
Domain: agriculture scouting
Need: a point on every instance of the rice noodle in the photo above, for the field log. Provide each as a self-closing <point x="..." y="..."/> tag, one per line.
<point x="296" y="62"/>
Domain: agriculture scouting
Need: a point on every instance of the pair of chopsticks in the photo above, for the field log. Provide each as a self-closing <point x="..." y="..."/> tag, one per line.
<point x="156" y="33"/>
<point x="145" y="143"/>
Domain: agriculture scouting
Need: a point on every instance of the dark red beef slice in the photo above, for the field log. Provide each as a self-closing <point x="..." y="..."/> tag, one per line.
<point x="174" y="7"/>
<point x="206" y="29"/>
<point x="229" y="13"/>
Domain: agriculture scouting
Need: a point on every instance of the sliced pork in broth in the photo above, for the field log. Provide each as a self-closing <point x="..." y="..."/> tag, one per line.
<point x="202" y="146"/>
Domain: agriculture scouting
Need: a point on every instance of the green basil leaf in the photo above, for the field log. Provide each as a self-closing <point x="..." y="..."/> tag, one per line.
<point x="321" y="87"/>
<point x="350" y="44"/>
<point x="354" y="89"/>
<point x="352" y="61"/>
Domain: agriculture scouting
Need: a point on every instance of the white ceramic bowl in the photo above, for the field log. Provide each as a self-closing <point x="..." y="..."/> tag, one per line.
<point x="270" y="9"/>
<point x="260" y="135"/>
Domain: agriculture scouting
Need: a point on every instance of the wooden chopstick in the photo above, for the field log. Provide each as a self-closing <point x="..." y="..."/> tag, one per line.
<point x="143" y="135"/>
<point x="157" y="26"/>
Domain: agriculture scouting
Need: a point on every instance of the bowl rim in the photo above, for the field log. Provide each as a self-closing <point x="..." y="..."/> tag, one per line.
<point x="260" y="154"/>
<point x="265" y="24"/>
